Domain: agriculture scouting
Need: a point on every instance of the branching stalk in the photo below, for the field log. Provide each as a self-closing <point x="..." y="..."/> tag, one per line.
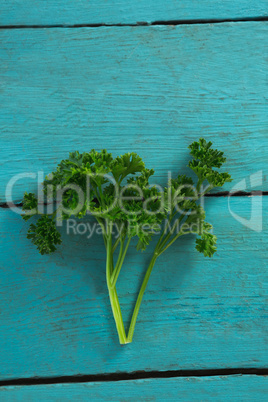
<point x="113" y="294"/>
<point x="119" y="262"/>
<point x="139" y="299"/>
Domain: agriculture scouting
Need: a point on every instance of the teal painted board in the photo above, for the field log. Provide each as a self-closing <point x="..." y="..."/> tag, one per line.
<point x="38" y="12"/>
<point x="197" y="313"/>
<point x="152" y="90"/>
<point x="247" y="388"/>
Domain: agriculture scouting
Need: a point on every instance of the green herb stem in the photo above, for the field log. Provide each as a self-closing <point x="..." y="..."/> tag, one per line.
<point x="209" y="188"/>
<point x="117" y="315"/>
<point x="116" y="244"/>
<point x="104" y="234"/>
<point x="139" y="299"/>
<point x="120" y="261"/>
<point x="171" y="242"/>
<point x="165" y="240"/>
<point x="113" y="294"/>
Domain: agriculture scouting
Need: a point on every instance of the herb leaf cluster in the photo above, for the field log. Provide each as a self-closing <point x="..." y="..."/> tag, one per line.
<point x="117" y="192"/>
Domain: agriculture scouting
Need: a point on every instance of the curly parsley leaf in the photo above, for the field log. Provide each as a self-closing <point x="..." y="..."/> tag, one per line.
<point x="44" y="235"/>
<point x="207" y="243"/>
<point x="29" y="205"/>
<point x="124" y="165"/>
<point x="205" y="159"/>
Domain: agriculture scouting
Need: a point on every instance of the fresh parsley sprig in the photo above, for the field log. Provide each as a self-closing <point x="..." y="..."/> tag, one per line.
<point x="118" y="193"/>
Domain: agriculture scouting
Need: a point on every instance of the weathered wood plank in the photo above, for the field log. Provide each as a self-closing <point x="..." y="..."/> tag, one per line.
<point x="197" y="313"/>
<point x="152" y="90"/>
<point x="221" y="388"/>
<point x="38" y="12"/>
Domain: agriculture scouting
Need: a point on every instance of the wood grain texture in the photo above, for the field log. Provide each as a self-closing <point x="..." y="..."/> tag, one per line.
<point x="152" y="90"/>
<point x="197" y="313"/>
<point x="38" y="12"/>
<point x="222" y="388"/>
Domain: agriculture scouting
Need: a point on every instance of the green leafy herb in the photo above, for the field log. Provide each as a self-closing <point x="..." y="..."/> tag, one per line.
<point x="118" y="193"/>
<point x="44" y="235"/>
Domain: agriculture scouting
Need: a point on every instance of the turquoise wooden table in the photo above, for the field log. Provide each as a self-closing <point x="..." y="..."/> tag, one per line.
<point x="149" y="77"/>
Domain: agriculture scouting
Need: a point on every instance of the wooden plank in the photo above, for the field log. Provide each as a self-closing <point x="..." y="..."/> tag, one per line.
<point x="38" y="12"/>
<point x="197" y="313"/>
<point x="152" y="90"/>
<point x="221" y="388"/>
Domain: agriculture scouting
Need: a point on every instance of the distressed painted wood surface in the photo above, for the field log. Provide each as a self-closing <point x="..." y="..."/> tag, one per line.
<point x="220" y="388"/>
<point x="197" y="313"/>
<point x="38" y="12"/>
<point x="152" y="90"/>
